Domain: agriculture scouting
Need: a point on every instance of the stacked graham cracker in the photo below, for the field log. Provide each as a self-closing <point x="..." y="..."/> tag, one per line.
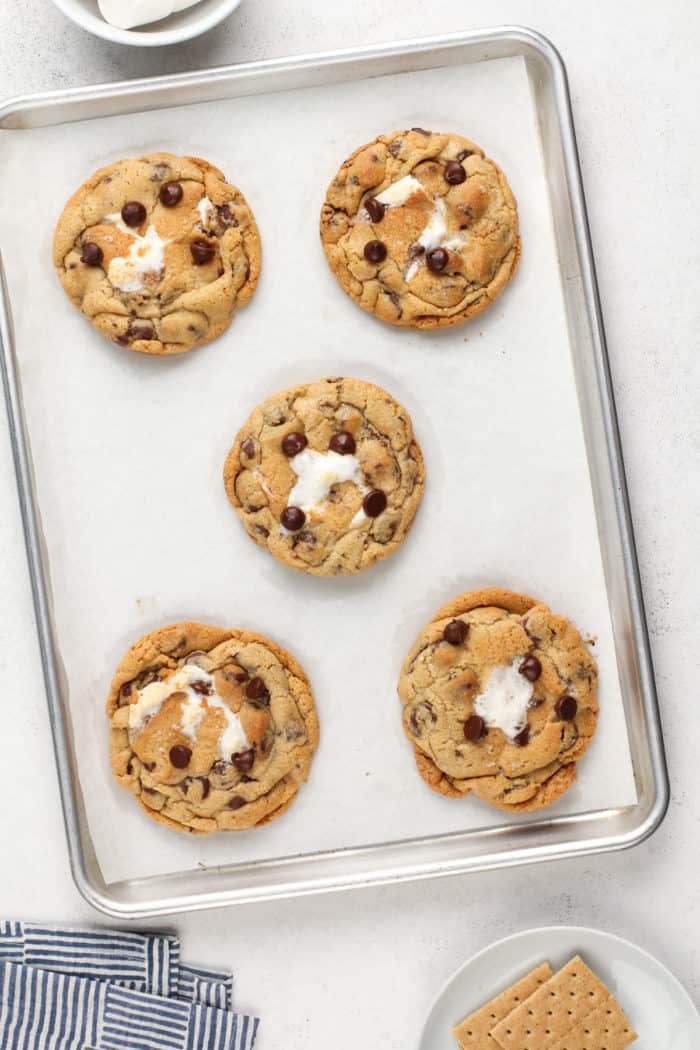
<point x="567" y="1010"/>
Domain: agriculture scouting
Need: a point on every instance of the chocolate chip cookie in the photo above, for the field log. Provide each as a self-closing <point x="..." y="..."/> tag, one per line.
<point x="499" y="698"/>
<point x="211" y="729"/>
<point x="327" y="476"/>
<point x="158" y="252"/>
<point x="421" y="229"/>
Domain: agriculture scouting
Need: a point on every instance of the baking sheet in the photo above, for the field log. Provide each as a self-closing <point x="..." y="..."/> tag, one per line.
<point x="128" y="453"/>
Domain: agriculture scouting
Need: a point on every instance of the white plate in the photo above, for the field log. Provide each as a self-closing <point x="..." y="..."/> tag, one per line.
<point x="657" y="1005"/>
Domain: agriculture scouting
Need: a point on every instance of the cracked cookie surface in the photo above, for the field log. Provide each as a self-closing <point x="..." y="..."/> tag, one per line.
<point x="499" y="698"/>
<point x="421" y="229"/>
<point x="158" y="252"/>
<point x="211" y="729"/>
<point x="327" y="475"/>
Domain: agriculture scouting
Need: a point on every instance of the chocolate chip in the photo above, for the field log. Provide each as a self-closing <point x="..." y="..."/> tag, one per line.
<point x="293" y="444"/>
<point x="437" y="259"/>
<point x="531" y="668"/>
<point x="202" y="252"/>
<point x="220" y="768"/>
<point x="195" y="656"/>
<point x="141" y="331"/>
<point x="92" y="254"/>
<point x="523" y="737"/>
<point x="170" y="194"/>
<point x="566" y="707"/>
<point x="180" y="756"/>
<point x="464" y="153"/>
<point x="205" y="787"/>
<point x="374" y="503"/>
<point x="422" y="717"/>
<point x="375" y="208"/>
<point x="292" y="518"/>
<point x="203" y="688"/>
<point x="150" y="766"/>
<point x="475" y="728"/>
<point x="126" y="689"/>
<point x="257" y="690"/>
<point x="133" y="213"/>
<point x="421" y="131"/>
<point x="248" y="448"/>
<point x="375" y="251"/>
<point x="129" y="767"/>
<point x="307" y="537"/>
<point x="454" y="173"/>
<point x="415" y="250"/>
<point x="343" y="443"/>
<point x="236" y="802"/>
<point x="226" y="217"/>
<point x="159" y="170"/>
<point x="243" y="760"/>
<point x="455" y="632"/>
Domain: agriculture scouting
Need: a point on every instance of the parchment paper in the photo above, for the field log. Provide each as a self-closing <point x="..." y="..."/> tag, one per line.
<point x="129" y="451"/>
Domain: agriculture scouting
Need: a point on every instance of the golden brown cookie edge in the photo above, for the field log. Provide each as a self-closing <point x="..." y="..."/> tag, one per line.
<point x="506" y="271"/>
<point x="206" y="637"/>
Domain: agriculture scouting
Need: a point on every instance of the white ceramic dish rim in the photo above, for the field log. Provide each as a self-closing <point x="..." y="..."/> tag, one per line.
<point x="576" y="932"/>
<point x="96" y="25"/>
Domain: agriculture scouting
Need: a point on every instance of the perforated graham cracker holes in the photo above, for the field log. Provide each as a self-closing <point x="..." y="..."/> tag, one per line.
<point x="475" y="1030"/>
<point x="569" y="1010"/>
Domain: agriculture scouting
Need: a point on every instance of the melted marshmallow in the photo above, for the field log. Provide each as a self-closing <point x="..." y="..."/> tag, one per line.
<point x="435" y="236"/>
<point x="260" y="478"/>
<point x="146" y="256"/>
<point x="400" y="191"/>
<point x="505" y="699"/>
<point x="150" y="699"/>
<point x="435" y="232"/>
<point x="317" y="472"/>
<point x="206" y="210"/>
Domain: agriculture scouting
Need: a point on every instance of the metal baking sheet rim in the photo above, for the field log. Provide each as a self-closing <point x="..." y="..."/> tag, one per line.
<point x="644" y="818"/>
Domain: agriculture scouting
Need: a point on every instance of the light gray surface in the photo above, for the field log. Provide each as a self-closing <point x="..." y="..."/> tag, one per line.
<point x="361" y="969"/>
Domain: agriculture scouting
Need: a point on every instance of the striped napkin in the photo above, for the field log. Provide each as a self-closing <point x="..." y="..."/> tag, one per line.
<point x="72" y="989"/>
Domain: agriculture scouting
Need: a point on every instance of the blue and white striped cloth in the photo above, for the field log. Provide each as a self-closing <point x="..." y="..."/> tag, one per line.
<point x="69" y="989"/>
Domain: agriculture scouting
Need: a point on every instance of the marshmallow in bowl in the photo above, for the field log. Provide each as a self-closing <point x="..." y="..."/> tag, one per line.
<point x="126" y="14"/>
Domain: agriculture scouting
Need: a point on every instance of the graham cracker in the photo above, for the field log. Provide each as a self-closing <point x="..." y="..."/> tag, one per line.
<point x="556" y="1008"/>
<point x="474" y="1032"/>
<point x="606" y="1028"/>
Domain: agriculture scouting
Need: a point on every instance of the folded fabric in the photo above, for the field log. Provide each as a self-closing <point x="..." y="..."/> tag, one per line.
<point x="147" y="962"/>
<point x="72" y="989"/>
<point x="45" y="1010"/>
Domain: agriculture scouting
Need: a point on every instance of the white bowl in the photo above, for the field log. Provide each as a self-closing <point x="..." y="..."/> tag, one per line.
<point x="173" y="30"/>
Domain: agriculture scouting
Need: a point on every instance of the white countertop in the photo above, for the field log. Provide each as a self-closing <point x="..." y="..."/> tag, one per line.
<point x="360" y="969"/>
